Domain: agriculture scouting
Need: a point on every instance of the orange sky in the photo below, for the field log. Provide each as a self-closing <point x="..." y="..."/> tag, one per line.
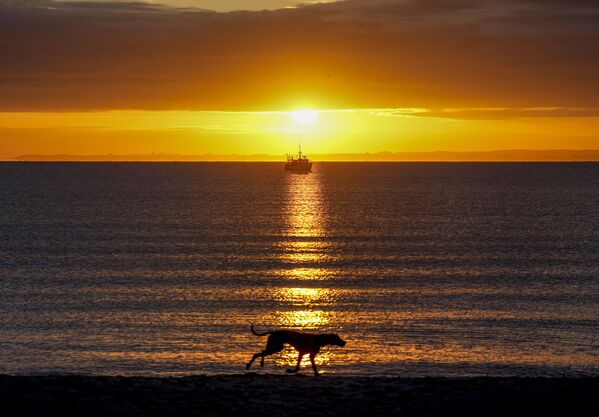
<point x="342" y="131"/>
<point x="393" y="75"/>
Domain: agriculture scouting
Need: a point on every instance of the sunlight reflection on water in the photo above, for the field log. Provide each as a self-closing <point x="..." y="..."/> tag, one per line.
<point x="305" y="213"/>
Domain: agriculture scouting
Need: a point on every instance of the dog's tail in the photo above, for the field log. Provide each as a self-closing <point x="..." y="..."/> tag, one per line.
<point x="258" y="334"/>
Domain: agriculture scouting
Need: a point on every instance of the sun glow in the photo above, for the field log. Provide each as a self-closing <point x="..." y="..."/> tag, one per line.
<point x="267" y="135"/>
<point x="304" y="117"/>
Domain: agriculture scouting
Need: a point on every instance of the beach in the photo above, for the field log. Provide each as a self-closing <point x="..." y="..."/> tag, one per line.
<point x="297" y="395"/>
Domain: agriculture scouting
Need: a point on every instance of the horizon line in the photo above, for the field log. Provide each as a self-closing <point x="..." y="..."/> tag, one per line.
<point x="507" y="155"/>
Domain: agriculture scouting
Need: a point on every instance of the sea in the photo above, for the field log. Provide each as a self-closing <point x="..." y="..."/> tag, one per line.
<point x="425" y="269"/>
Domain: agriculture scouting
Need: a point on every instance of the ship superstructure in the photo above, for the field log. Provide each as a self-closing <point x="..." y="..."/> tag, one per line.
<point x="299" y="164"/>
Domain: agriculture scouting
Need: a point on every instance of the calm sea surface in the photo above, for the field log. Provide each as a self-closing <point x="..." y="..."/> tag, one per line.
<point x="424" y="268"/>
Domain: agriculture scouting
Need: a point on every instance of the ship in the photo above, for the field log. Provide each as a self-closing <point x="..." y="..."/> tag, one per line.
<point x="299" y="164"/>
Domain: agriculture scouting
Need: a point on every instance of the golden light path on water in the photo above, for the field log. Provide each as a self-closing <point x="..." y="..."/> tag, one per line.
<point x="304" y="250"/>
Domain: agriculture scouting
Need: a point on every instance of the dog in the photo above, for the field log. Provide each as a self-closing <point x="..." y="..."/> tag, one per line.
<point x="304" y="343"/>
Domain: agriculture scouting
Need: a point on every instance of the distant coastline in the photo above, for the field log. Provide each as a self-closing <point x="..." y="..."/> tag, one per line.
<point x="434" y="156"/>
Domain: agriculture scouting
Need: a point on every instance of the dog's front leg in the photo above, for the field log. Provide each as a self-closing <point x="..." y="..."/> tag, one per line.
<point x="299" y="361"/>
<point x="312" y="357"/>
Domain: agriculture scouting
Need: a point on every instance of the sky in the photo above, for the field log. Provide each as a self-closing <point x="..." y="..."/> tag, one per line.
<point x="195" y="77"/>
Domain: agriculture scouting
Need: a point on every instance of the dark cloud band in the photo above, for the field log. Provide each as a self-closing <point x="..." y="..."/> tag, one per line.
<point x="355" y="54"/>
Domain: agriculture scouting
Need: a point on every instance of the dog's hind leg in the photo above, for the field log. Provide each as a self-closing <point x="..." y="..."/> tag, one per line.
<point x="257" y="355"/>
<point x="270" y="349"/>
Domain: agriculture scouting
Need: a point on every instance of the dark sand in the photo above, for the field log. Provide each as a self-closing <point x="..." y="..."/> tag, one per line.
<point x="301" y="395"/>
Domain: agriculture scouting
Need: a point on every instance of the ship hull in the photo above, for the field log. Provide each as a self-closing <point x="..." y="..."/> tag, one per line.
<point x="298" y="167"/>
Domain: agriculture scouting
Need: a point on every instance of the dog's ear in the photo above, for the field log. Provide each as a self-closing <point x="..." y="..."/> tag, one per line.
<point x="339" y="341"/>
<point x="325" y="339"/>
<point x="333" y="339"/>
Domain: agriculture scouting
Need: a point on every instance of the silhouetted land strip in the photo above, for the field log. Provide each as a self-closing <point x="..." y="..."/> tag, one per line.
<point x="273" y="395"/>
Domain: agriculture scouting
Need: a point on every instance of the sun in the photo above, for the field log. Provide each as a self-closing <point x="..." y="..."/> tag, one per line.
<point x="304" y="117"/>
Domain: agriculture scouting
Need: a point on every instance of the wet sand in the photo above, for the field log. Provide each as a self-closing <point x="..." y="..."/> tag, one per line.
<point x="296" y="395"/>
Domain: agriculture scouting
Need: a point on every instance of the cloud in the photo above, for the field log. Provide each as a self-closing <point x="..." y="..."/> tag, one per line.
<point x="506" y="113"/>
<point x="356" y="54"/>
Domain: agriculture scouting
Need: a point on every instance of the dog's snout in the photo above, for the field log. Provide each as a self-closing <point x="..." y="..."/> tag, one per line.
<point x="343" y="343"/>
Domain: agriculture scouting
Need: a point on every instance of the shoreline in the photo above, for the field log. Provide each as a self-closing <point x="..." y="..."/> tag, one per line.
<point x="296" y="395"/>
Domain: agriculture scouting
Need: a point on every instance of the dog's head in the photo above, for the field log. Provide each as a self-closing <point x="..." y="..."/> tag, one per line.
<point x="332" y="339"/>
